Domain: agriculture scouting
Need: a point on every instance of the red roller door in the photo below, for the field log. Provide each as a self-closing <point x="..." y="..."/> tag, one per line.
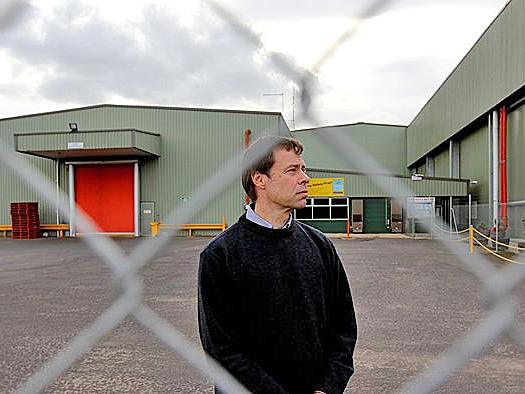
<point x="105" y="192"/>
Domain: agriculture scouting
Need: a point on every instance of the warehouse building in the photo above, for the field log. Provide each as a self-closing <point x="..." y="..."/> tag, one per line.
<point x="473" y="126"/>
<point x="128" y="166"/>
<point x="374" y="199"/>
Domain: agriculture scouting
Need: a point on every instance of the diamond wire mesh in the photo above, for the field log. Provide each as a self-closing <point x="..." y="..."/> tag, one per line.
<point x="501" y="305"/>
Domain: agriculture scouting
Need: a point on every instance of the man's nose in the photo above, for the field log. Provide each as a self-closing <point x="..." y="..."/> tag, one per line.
<point x="305" y="179"/>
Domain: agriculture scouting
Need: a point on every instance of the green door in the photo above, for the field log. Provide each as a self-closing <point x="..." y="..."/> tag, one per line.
<point x="376" y="215"/>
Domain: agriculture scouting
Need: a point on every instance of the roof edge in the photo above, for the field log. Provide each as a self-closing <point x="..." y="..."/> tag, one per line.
<point x="140" y="107"/>
<point x="350" y="124"/>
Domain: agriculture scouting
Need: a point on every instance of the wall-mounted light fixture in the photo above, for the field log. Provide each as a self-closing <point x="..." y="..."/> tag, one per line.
<point x="73" y="127"/>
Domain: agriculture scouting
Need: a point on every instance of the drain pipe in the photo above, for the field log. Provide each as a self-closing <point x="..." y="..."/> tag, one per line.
<point x="490" y="169"/>
<point x="495" y="174"/>
<point x="495" y="166"/>
<point x="503" y="168"/>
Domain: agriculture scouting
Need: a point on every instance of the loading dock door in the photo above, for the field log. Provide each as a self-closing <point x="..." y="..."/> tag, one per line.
<point x="106" y="193"/>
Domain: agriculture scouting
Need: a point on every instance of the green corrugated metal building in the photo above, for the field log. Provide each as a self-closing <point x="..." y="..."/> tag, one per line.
<point x="174" y="150"/>
<point x="458" y="133"/>
<point x="159" y="156"/>
<point x="370" y="203"/>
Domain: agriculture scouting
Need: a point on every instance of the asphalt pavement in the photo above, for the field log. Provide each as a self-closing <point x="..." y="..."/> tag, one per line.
<point x="414" y="300"/>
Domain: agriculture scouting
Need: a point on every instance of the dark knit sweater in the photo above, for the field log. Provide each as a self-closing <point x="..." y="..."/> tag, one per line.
<point x="275" y="309"/>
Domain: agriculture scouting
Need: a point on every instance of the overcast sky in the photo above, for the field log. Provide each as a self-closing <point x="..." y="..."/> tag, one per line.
<point x="64" y="54"/>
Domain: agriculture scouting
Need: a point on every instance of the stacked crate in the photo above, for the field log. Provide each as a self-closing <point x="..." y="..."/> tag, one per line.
<point x="25" y="220"/>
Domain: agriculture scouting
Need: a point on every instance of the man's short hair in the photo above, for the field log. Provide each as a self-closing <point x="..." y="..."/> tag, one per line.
<point x="259" y="157"/>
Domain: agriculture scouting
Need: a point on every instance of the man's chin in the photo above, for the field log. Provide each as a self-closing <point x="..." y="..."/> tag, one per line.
<point x="301" y="205"/>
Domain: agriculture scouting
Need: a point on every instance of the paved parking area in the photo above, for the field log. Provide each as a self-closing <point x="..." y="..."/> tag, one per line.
<point x="413" y="301"/>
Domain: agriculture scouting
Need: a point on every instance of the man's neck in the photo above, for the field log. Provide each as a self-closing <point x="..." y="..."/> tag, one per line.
<point x="277" y="217"/>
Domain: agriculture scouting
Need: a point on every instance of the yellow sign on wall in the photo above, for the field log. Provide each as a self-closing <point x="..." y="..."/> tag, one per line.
<point x="326" y="187"/>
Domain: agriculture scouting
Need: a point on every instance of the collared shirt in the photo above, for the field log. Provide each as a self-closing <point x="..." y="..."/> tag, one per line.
<point x="253" y="217"/>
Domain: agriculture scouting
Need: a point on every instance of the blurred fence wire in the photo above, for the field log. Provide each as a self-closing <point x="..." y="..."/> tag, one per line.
<point x="498" y="284"/>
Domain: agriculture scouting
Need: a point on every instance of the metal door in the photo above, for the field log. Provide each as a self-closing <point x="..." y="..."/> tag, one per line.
<point x="376" y="215"/>
<point x="147" y="215"/>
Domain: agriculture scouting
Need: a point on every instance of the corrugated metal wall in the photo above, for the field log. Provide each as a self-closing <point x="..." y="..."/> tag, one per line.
<point x="195" y="144"/>
<point x="386" y="143"/>
<point x="441" y="164"/>
<point x="516" y="154"/>
<point x="490" y="72"/>
<point x="474" y="162"/>
<point x="15" y="190"/>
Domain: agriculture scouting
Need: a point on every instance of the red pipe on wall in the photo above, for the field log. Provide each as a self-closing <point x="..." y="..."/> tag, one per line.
<point x="503" y="167"/>
<point x="247" y="133"/>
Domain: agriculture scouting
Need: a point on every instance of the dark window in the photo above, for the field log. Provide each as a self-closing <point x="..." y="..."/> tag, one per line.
<point x="304" y="213"/>
<point x="339" y="213"/>
<point x="321" y="201"/>
<point x="321" y="212"/>
<point x="339" y="201"/>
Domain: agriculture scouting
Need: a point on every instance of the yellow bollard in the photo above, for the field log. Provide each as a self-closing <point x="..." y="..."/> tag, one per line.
<point x="154" y="228"/>
<point x="471" y="238"/>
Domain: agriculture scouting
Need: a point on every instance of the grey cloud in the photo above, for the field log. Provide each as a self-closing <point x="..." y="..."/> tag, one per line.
<point x="94" y="60"/>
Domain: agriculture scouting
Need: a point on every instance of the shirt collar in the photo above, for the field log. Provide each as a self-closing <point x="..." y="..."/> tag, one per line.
<point x="253" y="217"/>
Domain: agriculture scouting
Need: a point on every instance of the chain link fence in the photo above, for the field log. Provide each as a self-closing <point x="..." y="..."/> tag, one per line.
<point x="498" y="284"/>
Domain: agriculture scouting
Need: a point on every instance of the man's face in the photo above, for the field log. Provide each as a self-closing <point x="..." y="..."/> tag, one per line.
<point x="285" y="186"/>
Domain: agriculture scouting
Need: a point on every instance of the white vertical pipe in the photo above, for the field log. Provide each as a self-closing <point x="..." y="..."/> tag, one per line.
<point x="136" y="194"/>
<point x="495" y="172"/>
<point x="450" y="213"/>
<point x="72" y="209"/>
<point x="491" y="170"/>
<point x="469" y="209"/>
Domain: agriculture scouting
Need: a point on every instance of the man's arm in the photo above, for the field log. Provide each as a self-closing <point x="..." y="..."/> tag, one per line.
<point x="342" y="331"/>
<point x="218" y="318"/>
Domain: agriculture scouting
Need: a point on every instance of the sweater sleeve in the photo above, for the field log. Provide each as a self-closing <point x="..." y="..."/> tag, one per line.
<point x="217" y="319"/>
<point x="342" y="332"/>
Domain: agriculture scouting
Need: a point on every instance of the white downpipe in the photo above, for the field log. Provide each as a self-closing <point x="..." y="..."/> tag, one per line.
<point x="72" y="209"/>
<point x="469" y="209"/>
<point x="450" y="214"/>
<point x="136" y="196"/>
<point x="490" y="169"/>
<point x="495" y="171"/>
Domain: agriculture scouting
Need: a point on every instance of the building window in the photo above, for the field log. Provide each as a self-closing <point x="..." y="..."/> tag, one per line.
<point x="324" y="208"/>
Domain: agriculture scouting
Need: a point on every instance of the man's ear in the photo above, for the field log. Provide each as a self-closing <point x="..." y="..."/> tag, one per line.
<point x="259" y="179"/>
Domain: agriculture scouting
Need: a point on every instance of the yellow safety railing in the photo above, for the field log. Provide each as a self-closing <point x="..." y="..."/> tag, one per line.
<point x="496" y="242"/>
<point x="157" y="226"/>
<point x="472" y="241"/>
<point x="454" y="233"/>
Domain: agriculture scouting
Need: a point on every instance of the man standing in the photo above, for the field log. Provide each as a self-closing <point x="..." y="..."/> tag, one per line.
<point x="274" y="303"/>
